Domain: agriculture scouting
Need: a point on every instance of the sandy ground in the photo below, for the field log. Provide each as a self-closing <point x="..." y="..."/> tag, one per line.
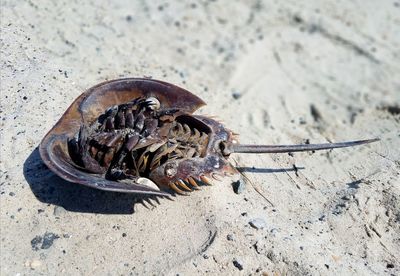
<point x="275" y="72"/>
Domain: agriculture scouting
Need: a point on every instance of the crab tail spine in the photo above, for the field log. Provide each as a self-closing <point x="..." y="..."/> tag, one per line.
<point x="240" y="148"/>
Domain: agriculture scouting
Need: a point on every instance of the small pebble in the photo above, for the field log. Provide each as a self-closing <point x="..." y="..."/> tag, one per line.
<point x="238" y="264"/>
<point x="35" y="242"/>
<point x="236" y="95"/>
<point x="346" y="197"/>
<point x="390" y="265"/>
<point x="58" y="211"/>
<point x="48" y="240"/>
<point x="229" y="237"/>
<point x="257" y="223"/>
<point x="33" y="264"/>
<point x="272" y="256"/>
<point x="259" y="247"/>
<point x="274" y="232"/>
<point x="44" y="242"/>
<point x="238" y="186"/>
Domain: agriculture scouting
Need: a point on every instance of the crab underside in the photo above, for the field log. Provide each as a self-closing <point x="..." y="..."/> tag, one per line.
<point x="140" y="136"/>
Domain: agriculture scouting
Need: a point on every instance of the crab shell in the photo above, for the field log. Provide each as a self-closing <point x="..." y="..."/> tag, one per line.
<point x="92" y="103"/>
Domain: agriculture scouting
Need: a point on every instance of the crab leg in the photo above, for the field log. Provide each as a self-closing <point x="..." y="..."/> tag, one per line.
<point x="82" y="145"/>
<point x="139" y="124"/>
<point x="205" y="180"/>
<point x="130" y="142"/>
<point x="129" y="119"/>
<point x="193" y="182"/>
<point x="149" y="127"/>
<point x="120" y="119"/>
<point x="176" y="189"/>
<point x="183" y="185"/>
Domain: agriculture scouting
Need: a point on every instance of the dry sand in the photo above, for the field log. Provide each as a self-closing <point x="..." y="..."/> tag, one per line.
<point x="275" y="72"/>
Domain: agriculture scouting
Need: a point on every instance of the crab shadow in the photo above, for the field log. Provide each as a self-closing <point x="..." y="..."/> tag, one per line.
<point x="51" y="189"/>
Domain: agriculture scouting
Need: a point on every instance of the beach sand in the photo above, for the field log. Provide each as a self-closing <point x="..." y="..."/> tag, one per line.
<point x="274" y="72"/>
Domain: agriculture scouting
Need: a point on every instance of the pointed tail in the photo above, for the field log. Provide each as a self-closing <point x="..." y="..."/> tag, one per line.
<point x="240" y="148"/>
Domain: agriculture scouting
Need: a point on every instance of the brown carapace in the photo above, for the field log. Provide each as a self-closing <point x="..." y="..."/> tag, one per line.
<point x="140" y="136"/>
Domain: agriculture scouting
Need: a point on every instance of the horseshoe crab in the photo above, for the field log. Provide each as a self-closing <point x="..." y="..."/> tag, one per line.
<point x="141" y="136"/>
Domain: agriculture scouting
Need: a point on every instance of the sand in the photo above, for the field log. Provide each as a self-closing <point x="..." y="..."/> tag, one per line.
<point x="274" y="72"/>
